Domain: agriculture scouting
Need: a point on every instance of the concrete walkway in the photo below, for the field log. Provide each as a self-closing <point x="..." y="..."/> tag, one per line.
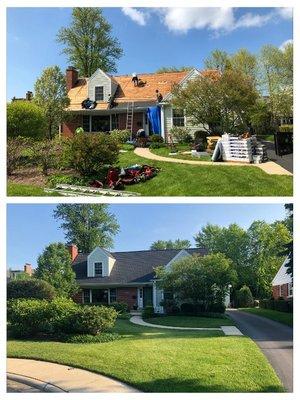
<point x="227" y="330"/>
<point x="51" y="377"/>
<point x="269" y="167"/>
<point x="274" y="339"/>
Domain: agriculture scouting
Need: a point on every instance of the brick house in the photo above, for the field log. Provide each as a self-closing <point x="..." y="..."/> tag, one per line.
<point x="115" y="102"/>
<point x="282" y="284"/>
<point x="128" y="277"/>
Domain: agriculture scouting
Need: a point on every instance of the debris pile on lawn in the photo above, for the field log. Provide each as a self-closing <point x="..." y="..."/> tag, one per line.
<point x="241" y="149"/>
<point x="117" y="178"/>
<point x="76" y="190"/>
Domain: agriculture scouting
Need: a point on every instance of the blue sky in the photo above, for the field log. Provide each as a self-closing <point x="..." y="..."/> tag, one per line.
<point x="30" y="227"/>
<point x="150" y="37"/>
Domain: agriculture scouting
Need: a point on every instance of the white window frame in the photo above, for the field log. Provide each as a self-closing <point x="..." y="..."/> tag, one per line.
<point x="97" y="262"/>
<point x="96" y="87"/>
<point x="109" y="301"/>
<point x="184" y="119"/>
<point x="90" y="296"/>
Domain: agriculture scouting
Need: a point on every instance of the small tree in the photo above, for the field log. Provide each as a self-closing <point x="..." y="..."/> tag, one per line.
<point x="51" y="96"/>
<point x="87" y="225"/>
<point x="199" y="280"/>
<point x="54" y="267"/>
<point x="46" y="154"/>
<point x="244" y="297"/>
<point x="26" y="119"/>
<point x="170" y="244"/>
<point x="88" y="42"/>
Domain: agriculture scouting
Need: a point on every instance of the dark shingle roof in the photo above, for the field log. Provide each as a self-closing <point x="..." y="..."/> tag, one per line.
<point x="130" y="266"/>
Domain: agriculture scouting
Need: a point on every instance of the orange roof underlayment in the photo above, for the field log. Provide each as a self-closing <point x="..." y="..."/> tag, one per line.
<point x="126" y="92"/>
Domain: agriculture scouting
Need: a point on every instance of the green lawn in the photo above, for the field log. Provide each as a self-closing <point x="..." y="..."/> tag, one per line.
<point x="193" y="180"/>
<point x="164" y="151"/>
<point x="279" y="316"/>
<point x="154" y="360"/>
<point x="190" y="322"/>
<point x="18" y="189"/>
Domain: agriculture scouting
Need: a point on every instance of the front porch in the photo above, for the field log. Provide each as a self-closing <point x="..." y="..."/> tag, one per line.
<point x="137" y="297"/>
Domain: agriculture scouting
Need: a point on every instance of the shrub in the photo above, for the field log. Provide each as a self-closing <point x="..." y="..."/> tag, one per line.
<point x="156" y="139"/>
<point x="244" y="297"/>
<point x="170" y="306"/>
<point x="181" y="134"/>
<point x="62" y="310"/>
<point x="30" y="289"/>
<point x="25" y="119"/>
<point x="218" y="308"/>
<point x="47" y="154"/>
<point x="100" y="338"/>
<point x="124" y="316"/>
<point x="148" y="312"/>
<point x="56" y="179"/>
<point x="187" y="308"/>
<point x="91" y="154"/>
<point x="278" y="305"/>
<point x="120" y="307"/>
<point x="157" y="145"/>
<point x="15" y="152"/>
<point x="121" y="136"/>
<point x="92" y="320"/>
<point x="27" y="317"/>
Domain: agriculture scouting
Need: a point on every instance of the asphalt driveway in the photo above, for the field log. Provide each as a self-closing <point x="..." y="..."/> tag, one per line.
<point x="274" y="339"/>
<point x="284" y="161"/>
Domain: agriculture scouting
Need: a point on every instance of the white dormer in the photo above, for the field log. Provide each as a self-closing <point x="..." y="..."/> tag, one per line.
<point x="101" y="86"/>
<point x="99" y="263"/>
<point x="181" y="254"/>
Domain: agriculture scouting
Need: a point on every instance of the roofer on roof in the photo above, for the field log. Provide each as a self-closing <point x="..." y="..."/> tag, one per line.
<point x="135" y="79"/>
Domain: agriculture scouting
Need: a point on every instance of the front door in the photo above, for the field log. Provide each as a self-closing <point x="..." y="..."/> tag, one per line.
<point x="148" y="296"/>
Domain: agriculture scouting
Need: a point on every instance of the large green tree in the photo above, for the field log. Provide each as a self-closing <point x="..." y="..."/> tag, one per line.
<point x="89" y="43"/>
<point x="245" y="62"/>
<point x="276" y="78"/>
<point x="218" y="102"/>
<point x="289" y="247"/>
<point x="51" y="95"/>
<point x="170" y="244"/>
<point x="54" y="267"/>
<point x="87" y="225"/>
<point x="198" y="279"/>
<point x="219" y="60"/>
<point x="173" y="69"/>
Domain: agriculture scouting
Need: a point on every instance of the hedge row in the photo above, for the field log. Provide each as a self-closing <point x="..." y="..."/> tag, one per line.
<point x="278" y="305"/>
<point x="29" y="317"/>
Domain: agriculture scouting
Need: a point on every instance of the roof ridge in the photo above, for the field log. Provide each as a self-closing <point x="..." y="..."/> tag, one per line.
<point x="140" y="251"/>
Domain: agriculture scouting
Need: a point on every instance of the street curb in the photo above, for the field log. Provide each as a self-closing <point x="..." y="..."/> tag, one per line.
<point x="36" y="383"/>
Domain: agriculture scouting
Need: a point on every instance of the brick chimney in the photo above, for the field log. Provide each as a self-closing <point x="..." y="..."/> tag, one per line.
<point x="71" y="77"/>
<point x="28" y="269"/>
<point x="73" y="249"/>
<point x="28" y="95"/>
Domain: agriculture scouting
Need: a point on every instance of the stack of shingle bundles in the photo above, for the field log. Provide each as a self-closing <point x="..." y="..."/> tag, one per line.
<point x="236" y="149"/>
<point x="260" y="153"/>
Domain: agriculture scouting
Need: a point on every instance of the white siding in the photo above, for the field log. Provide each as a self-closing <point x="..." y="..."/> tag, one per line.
<point x="99" y="78"/>
<point x="99" y="255"/>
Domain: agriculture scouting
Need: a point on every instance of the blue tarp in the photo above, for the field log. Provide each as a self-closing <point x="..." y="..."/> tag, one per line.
<point x="153" y="114"/>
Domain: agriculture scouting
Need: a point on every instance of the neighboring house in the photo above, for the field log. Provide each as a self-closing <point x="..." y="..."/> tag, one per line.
<point x="119" y="104"/>
<point x="28" y="97"/>
<point x="282" y="284"/>
<point x="15" y="273"/>
<point x="128" y="276"/>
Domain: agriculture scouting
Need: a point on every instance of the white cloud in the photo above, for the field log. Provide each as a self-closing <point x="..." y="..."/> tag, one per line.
<point x="183" y="19"/>
<point x="285" y="12"/>
<point x="282" y="46"/>
<point x="136" y="15"/>
<point x="250" y="20"/>
<point x="216" y="19"/>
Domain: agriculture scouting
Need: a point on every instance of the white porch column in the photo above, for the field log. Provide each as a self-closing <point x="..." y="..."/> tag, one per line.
<point x="162" y="121"/>
<point x="91" y="296"/>
<point x="154" y="296"/>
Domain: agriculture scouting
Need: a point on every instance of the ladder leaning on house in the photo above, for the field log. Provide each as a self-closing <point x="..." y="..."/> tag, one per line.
<point x="129" y="117"/>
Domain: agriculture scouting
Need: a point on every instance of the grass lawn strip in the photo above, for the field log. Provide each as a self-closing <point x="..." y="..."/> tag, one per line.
<point x="190" y="322"/>
<point x="154" y="360"/>
<point x="192" y="180"/>
<point x="279" y="316"/>
<point x="165" y="152"/>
